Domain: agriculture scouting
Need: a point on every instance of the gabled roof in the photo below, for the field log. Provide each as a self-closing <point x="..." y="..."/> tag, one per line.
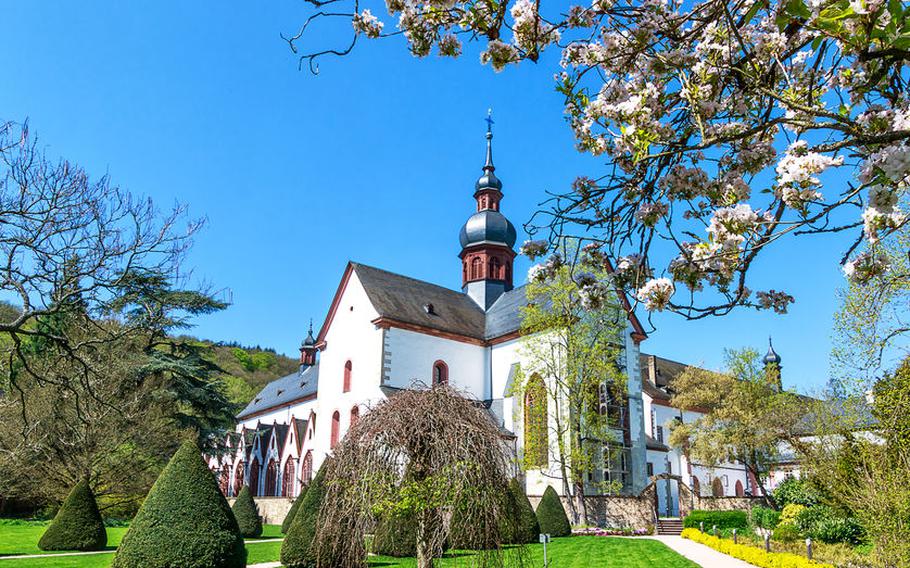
<point x="504" y="316"/>
<point x="299" y="432"/>
<point x="290" y="388"/>
<point x="281" y="436"/>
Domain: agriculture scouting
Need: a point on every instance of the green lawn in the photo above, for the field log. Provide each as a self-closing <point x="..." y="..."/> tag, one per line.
<point x="574" y="552"/>
<point x="17" y="540"/>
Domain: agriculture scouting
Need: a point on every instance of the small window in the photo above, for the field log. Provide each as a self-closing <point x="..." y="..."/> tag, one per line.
<point x="440" y="373"/>
<point x="336" y="429"/>
<point x="355" y="415"/>
<point x="346" y="385"/>
<point x="650" y="469"/>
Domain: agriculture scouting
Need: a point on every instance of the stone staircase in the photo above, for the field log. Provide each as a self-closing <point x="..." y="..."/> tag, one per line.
<point x="669" y="526"/>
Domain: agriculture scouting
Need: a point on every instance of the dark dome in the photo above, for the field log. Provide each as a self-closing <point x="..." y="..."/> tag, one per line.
<point x="487" y="226"/>
<point x="488" y="181"/>
<point x="771" y="356"/>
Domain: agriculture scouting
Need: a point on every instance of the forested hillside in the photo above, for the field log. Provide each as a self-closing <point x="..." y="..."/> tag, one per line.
<point x="245" y="370"/>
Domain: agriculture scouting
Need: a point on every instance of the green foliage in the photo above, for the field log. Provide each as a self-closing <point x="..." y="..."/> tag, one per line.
<point x="765" y="517"/>
<point x="551" y="515"/>
<point x="527" y="527"/>
<point x="722" y="519"/>
<point x="794" y="490"/>
<point x="247" y="514"/>
<point x="292" y="512"/>
<point x="297" y="551"/>
<point x="823" y="523"/>
<point x="245" y="370"/>
<point x="185" y="521"/>
<point x="396" y="535"/>
<point x="78" y="524"/>
<point x="791" y="513"/>
<point x="891" y="408"/>
<point x="786" y="533"/>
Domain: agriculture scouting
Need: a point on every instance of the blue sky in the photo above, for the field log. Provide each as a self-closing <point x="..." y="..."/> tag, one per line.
<point x="373" y="160"/>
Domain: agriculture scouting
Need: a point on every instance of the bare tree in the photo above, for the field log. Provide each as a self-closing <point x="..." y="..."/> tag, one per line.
<point x="428" y="453"/>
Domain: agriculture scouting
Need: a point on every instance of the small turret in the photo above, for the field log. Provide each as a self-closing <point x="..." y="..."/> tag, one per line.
<point x="772" y="365"/>
<point x="308" y="350"/>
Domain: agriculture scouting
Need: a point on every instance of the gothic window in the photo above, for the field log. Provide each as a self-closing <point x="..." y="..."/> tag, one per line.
<point x="612" y="407"/>
<point x="355" y="415"/>
<point x="495" y="266"/>
<point x="536" y="430"/>
<point x="271" y="478"/>
<point x="440" y="373"/>
<point x="476" y="268"/>
<point x="306" y="470"/>
<point x="739" y="488"/>
<point x="346" y="387"/>
<point x="254" y="477"/>
<point x="616" y="465"/>
<point x="287" y="478"/>
<point x="717" y="487"/>
<point x="238" y="479"/>
<point x="225" y="480"/>
<point x="696" y="486"/>
<point x="313" y="424"/>
<point x="336" y="428"/>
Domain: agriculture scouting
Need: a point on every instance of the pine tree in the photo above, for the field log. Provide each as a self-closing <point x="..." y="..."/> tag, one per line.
<point x="185" y="521"/>
<point x="77" y="525"/>
<point x="552" y="515"/>
<point x="292" y="512"/>
<point x="247" y="514"/>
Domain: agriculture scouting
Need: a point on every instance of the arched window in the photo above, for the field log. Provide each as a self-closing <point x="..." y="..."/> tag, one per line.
<point x="717" y="487"/>
<point x="225" y="481"/>
<point x="440" y="373"/>
<point x="355" y="415"/>
<point x="476" y="268"/>
<point x="271" y="478"/>
<point x="287" y="478"/>
<point x="336" y="427"/>
<point x="312" y="424"/>
<point x="696" y="486"/>
<point x="238" y="479"/>
<point x="495" y="267"/>
<point x="346" y="386"/>
<point x="306" y="470"/>
<point x="254" y="477"/>
<point x="536" y="432"/>
<point x="739" y="488"/>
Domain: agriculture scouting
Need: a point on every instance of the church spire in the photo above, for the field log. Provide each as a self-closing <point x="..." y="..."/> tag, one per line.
<point x="308" y="349"/>
<point x="487" y="238"/>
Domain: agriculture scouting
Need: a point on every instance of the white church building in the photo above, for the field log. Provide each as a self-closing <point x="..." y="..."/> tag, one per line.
<point x="384" y="332"/>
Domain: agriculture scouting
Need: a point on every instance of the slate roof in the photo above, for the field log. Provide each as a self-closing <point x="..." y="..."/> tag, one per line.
<point x="284" y="390"/>
<point x="299" y="432"/>
<point x="281" y="431"/>
<point x="404" y="299"/>
<point x="504" y="316"/>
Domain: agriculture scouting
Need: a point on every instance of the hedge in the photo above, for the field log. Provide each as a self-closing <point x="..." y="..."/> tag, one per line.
<point x="552" y="515"/>
<point x="528" y="527"/>
<point x="396" y="535"/>
<point x="247" y="514"/>
<point x="752" y="555"/>
<point x="297" y="548"/>
<point x="292" y="512"/>
<point x="77" y="525"/>
<point x="185" y="521"/>
<point x="722" y="519"/>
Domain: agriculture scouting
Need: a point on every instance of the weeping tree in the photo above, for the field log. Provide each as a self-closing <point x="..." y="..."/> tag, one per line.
<point x="421" y="454"/>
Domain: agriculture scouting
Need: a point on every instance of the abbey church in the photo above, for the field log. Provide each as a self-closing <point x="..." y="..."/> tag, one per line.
<point x="384" y="332"/>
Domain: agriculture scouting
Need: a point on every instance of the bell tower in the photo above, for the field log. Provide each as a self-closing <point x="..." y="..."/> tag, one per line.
<point x="487" y="238"/>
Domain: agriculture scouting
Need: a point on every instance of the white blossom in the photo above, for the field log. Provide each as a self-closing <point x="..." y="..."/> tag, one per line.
<point x="368" y="24"/>
<point x="656" y="293"/>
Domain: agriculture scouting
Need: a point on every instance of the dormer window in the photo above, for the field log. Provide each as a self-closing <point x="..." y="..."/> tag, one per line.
<point x="429" y="309"/>
<point x="280" y="391"/>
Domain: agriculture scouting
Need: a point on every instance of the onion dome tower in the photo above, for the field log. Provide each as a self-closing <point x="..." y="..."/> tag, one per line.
<point x="772" y="365"/>
<point x="308" y="350"/>
<point x="487" y="239"/>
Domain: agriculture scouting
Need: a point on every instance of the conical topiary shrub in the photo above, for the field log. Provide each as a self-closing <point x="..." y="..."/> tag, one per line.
<point x="247" y="514"/>
<point x="77" y="525"/>
<point x="396" y="535"/>
<point x="185" y="521"/>
<point x="552" y="515"/>
<point x="297" y="550"/>
<point x="292" y="512"/>
<point x="527" y="529"/>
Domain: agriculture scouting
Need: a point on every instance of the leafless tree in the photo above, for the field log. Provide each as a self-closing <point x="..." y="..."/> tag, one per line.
<point x="427" y="452"/>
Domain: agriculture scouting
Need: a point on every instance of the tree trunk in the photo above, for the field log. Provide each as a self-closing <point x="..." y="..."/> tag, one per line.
<point x="424" y="551"/>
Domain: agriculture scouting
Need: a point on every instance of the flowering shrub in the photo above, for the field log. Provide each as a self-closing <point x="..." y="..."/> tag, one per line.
<point x="728" y="127"/>
<point x="595" y="531"/>
<point x="751" y="554"/>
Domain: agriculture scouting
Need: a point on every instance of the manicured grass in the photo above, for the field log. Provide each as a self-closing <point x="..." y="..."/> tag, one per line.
<point x="22" y="539"/>
<point x="574" y="552"/>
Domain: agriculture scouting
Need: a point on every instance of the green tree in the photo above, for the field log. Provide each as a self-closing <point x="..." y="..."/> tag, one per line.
<point x="185" y="521"/>
<point x="292" y="512"/>
<point x="298" y="550"/>
<point x="77" y="525"/>
<point x="247" y="514"/>
<point x="527" y="527"/>
<point x="551" y="515"/>
<point x="571" y="350"/>
<point x="749" y="417"/>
